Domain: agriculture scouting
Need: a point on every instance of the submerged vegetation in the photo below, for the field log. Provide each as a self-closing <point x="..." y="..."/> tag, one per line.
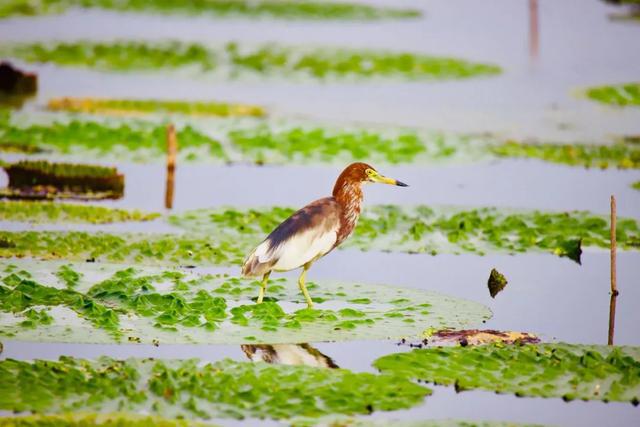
<point x="50" y="212"/>
<point x="120" y="107"/>
<point x="156" y="306"/>
<point x="622" y="95"/>
<point x="569" y="371"/>
<point x="280" y="9"/>
<point x="319" y="63"/>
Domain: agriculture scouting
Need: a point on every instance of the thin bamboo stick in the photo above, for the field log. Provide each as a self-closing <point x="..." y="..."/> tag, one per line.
<point x="172" y="151"/>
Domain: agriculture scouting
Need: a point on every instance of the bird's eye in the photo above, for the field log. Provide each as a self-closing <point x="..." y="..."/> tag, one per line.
<point x="369" y="172"/>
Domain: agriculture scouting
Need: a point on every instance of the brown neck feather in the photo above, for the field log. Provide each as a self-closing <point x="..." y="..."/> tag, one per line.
<point x="348" y="193"/>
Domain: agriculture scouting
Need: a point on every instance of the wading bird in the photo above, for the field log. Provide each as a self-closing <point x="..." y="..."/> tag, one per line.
<point x="314" y="230"/>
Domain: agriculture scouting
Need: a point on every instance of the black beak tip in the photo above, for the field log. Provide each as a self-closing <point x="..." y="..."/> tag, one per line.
<point x="401" y="184"/>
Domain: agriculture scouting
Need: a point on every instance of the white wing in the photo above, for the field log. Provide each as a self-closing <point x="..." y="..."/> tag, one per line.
<point x="302" y="248"/>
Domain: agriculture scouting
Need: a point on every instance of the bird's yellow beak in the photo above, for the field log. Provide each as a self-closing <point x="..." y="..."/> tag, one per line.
<point x="376" y="177"/>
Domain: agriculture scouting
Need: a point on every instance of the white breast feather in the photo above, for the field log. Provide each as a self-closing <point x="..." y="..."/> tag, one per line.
<point x="302" y="248"/>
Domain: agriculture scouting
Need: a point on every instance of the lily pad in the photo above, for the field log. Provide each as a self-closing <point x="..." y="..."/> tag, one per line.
<point x="110" y="303"/>
<point x="195" y="390"/>
<point x="622" y="95"/>
<point x="570" y="371"/>
<point x="86" y="419"/>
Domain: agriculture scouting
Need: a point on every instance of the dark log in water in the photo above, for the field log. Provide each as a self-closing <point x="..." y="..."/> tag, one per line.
<point x="43" y="179"/>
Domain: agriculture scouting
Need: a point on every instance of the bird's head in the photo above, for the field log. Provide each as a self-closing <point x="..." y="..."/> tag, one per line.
<point x="362" y="172"/>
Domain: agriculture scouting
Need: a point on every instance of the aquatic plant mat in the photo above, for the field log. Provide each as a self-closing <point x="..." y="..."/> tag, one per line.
<point x="88" y="419"/>
<point x="224" y="236"/>
<point x="260" y="141"/>
<point x="278" y="9"/>
<point x="190" y="388"/>
<point x="98" y="303"/>
<point x="569" y="371"/>
<point x="233" y="60"/>
<point x="425" y="229"/>
<point x="50" y="212"/>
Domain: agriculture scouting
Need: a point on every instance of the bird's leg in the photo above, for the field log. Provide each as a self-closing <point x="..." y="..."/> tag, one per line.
<point x="302" y="286"/>
<point x="263" y="286"/>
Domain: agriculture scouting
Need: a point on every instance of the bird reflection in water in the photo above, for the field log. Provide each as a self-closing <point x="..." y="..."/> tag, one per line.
<point x="288" y="354"/>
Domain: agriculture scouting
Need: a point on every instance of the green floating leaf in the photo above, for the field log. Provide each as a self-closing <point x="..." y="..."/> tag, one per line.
<point x="279" y="9"/>
<point x="191" y="389"/>
<point x="622" y="95"/>
<point x="570" y="371"/>
<point x="116" y="419"/>
<point x="266" y="60"/>
<point x="49" y="212"/>
<point x="106" y="303"/>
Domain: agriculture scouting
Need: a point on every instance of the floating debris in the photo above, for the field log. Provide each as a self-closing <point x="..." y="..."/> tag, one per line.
<point x="467" y="337"/>
<point x="16" y="82"/>
<point x="496" y="282"/>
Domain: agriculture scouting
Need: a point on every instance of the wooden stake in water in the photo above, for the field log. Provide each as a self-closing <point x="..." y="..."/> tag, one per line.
<point x="534" y="36"/>
<point x="614" y="286"/>
<point x="172" y="151"/>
